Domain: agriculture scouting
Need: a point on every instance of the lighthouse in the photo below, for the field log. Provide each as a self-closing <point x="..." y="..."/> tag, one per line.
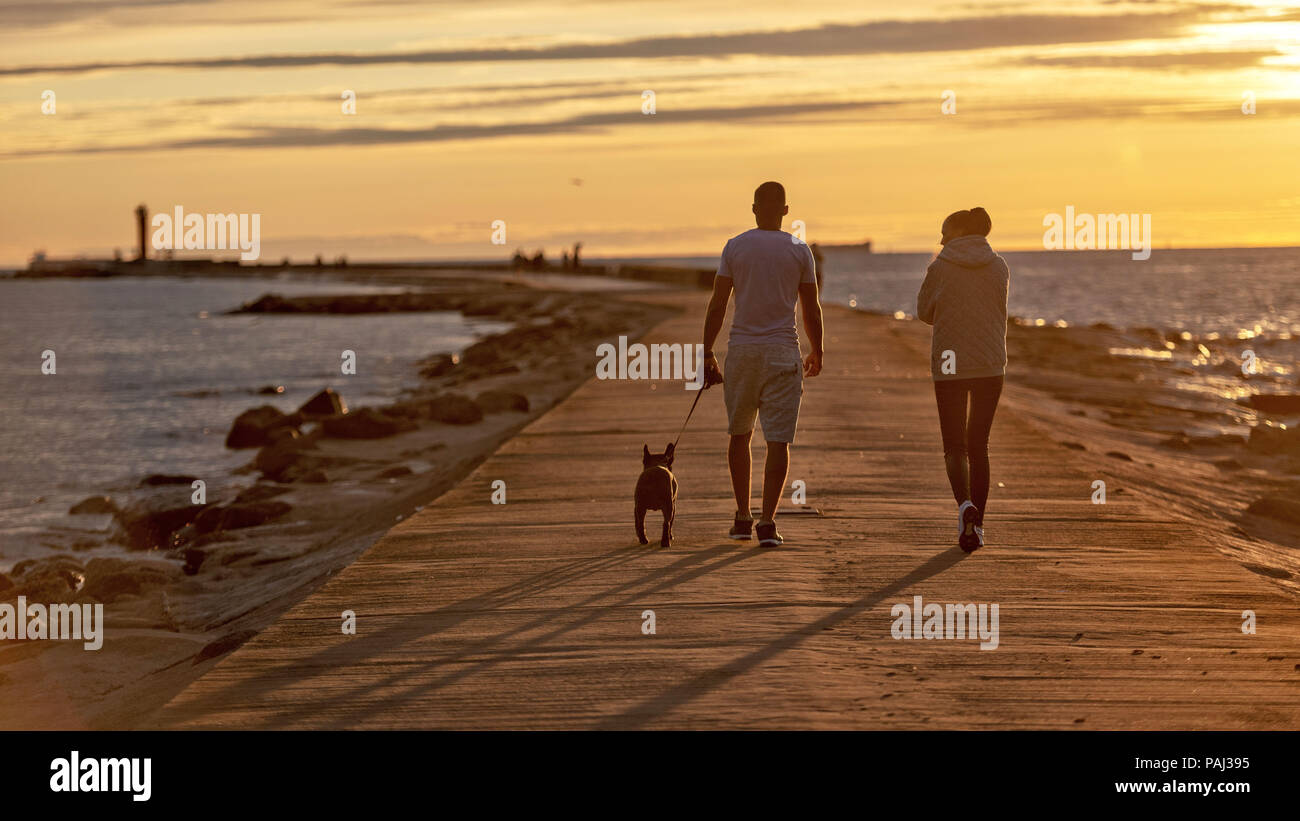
<point x="141" y="219"/>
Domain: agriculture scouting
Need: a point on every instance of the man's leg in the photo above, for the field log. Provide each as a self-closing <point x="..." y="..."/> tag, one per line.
<point x="774" y="473"/>
<point x="738" y="459"/>
<point x="779" y="414"/>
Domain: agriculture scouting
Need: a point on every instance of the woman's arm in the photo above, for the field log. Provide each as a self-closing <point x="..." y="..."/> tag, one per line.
<point x="927" y="297"/>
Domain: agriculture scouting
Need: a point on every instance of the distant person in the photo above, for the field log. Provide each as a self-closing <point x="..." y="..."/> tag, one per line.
<point x="964" y="297"/>
<point x="769" y="270"/>
<point x="539" y="260"/>
<point x="577" y="256"/>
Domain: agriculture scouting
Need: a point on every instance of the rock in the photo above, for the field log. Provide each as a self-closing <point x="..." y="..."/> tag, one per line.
<point x="455" y="409"/>
<point x="270" y="390"/>
<point x="1117" y="454"/>
<point x="223" y="645"/>
<point x="92" y="505"/>
<point x="48" y="580"/>
<point x="274" y="460"/>
<point x="267" y="303"/>
<point x="395" y="472"/>
<point x="186" y="534"/>
<point x="351" y="303"/>
<point x="314" y="477"/>
<point x="410" y="409"/>
<point x="485" y="352"/>
<point x="252" y="428"/>
<point x="156" y="479"/>
<point x="1281" y="508"/>
<point x="260" y="493"/>
<point x="365" y="423"/>
<point x="193" y="560"/>
<point x="148" y="522"/>
<point x="497" y="401"/>
<point x="207" y="521"/>
<point x="1073" y="445"/>
<point x="286" y="434"/>
<point x="324" y="403"/>
<point x="484" y="307"/>
<point x="5" y="582"/>
<point x="1275" y="440"/>
<point x="1279" y="403"/>
<point x="109" y="579"/>
<point x="250" y="514"/>
<point x="438" y="365"/>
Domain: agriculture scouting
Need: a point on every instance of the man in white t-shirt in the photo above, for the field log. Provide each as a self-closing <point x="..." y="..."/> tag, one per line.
<point x="769" y="270"/>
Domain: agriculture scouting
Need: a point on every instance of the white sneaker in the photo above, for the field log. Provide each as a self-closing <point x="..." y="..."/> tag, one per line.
<point x="970" y="536"/>
<point x="961" y="517"/>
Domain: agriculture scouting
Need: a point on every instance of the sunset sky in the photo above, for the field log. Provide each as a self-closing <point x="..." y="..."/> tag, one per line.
<point x="531" y="112"/>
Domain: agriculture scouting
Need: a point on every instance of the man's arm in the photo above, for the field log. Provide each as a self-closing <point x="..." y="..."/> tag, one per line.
<point x="812" y="325"/>
<point x="713" y="319"/>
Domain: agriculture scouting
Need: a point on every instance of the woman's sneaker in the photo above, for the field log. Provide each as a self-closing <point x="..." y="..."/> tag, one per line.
<point x="741" y="530"/>
<point x="971" y="536"/>
<point x="767" y="535"/>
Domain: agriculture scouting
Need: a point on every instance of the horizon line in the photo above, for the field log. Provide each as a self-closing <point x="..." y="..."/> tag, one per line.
<point x="406" y="261"/>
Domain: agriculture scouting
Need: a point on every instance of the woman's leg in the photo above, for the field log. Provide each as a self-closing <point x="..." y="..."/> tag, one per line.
<point x="950" y="394"/>
<point x="984" y="395"/>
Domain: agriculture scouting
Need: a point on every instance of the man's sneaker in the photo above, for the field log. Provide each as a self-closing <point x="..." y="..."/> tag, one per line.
<point x="741" y="530"/>
<point x="767" y="535"/>
<point x="971" y="537"/>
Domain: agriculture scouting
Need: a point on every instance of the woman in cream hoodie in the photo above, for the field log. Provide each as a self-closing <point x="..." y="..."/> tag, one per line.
<point x="964" y="297"/>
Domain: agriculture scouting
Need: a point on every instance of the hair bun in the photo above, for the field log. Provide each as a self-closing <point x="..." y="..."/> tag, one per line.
<point x="980" y="222"/>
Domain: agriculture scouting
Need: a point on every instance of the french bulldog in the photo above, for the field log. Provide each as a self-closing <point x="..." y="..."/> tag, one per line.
<point x="656" y="489"/>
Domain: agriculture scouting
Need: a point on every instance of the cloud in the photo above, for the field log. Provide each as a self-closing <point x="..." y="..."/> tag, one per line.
<point x="891" y="112"/>
<point x="133" y="13"/>
<point x="832" y="39"/>
<point x="299" y="137"/>
<point x="1182" y="61"/>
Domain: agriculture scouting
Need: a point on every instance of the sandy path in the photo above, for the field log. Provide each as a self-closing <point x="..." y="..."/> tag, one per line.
<point x="529" y="615"/>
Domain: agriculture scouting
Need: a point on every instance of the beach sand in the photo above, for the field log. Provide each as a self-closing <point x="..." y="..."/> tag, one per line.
<point x="1123" y="615"/>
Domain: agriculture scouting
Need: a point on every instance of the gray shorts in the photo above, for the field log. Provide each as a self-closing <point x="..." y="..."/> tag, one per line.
<point x="765" y="381"/>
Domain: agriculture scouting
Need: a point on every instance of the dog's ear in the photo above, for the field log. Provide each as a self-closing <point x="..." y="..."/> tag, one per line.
<point x="645" y="451"/>
<point x="668" y="451"/>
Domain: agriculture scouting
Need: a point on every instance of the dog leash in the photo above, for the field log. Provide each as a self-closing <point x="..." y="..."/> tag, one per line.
<point x="698" y="394"/>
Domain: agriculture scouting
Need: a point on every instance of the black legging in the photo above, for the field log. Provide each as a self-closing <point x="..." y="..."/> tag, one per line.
<point x="966" y="442"/>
